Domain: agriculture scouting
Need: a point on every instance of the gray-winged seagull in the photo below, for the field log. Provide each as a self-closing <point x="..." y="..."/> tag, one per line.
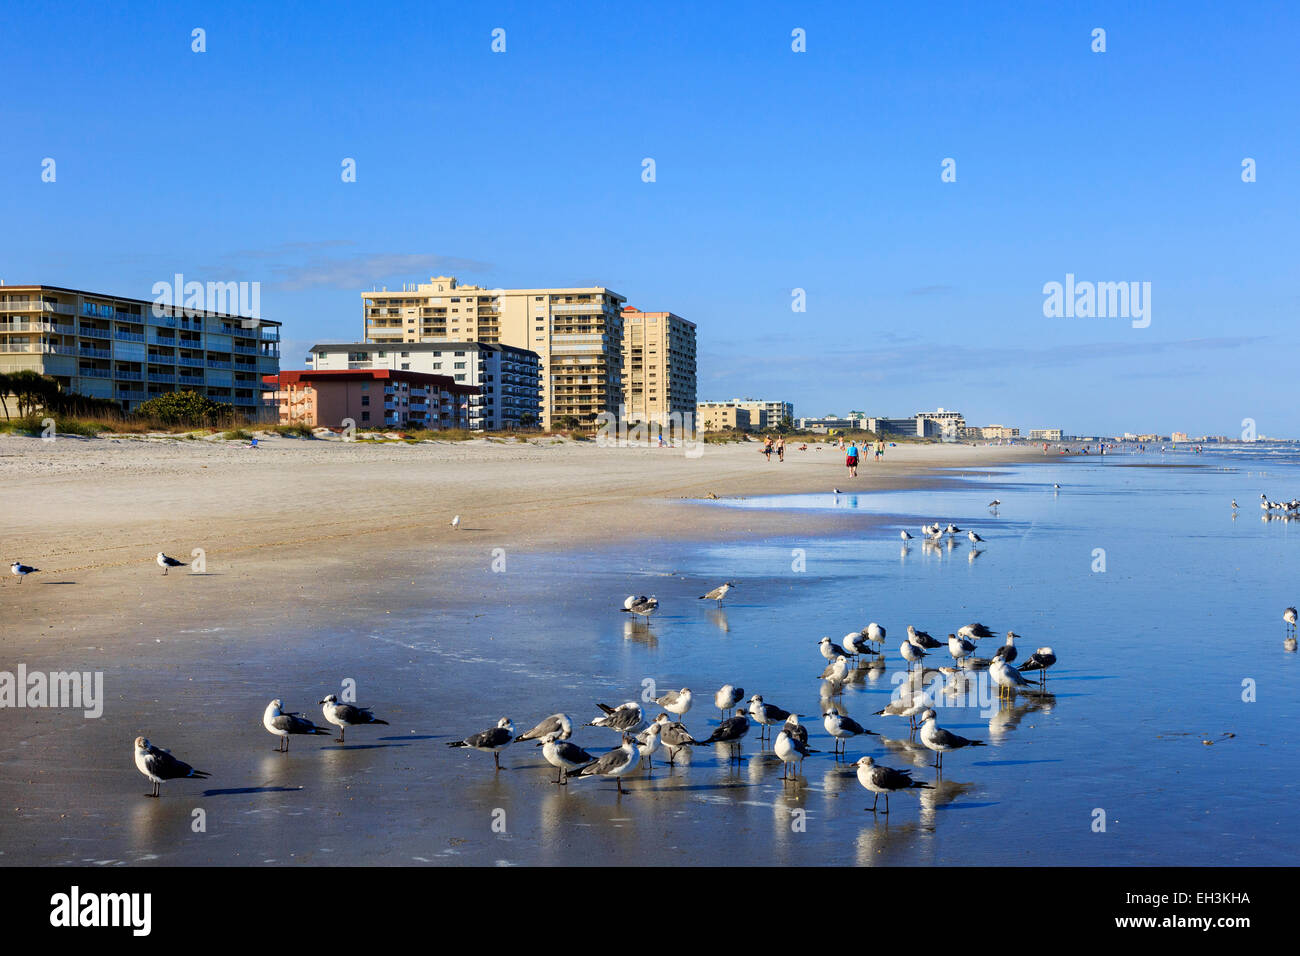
<point x="159" y="765"/>
<point x="283" y="724"/>
<point x="489" y="741"/>
<point x="344" y="716"/>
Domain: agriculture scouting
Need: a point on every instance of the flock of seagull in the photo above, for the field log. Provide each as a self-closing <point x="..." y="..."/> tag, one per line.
<point x="642" y="738"/>
<point x="20" y="570"/>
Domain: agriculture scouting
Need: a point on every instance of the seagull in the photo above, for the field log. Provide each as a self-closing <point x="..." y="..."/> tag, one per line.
<point x="644" y="606"/>
<point x="648" y="742"/>
<point x="941" y="741"/>
<point x="905" y="536"/>
<point x="344" y="716"/>
<point x="836" y="670"/>
<point x="831" y="650"/>
<point x="974" y="631"/>
<point x="974" y="538"/>
<point x="796" y="730"/>
<point x="625" y="718"/>
<point x="675" y="736"/>
<point x="922" y="639"/>
<point x="455" y="523"/>
<point x="911" y="653"/>
<point x="992" y="504"/>
<point x="1040" y="660"/>
<point x="563" y="755"/>
<point x="618" y="763"/>
<point x="885" y="780"/>
<point x="1056" y="486"/>
<point x="908" y="703"/>
<point x="960" y="647"/>
<point x="731" y="731"/>
<point x="167" y="563"/>
<point x="676" y="702"/>
<point x="726" y="698"/>
<point x="1007" y="651"/>
<point x="159" y="765"/>
<point x="857" y="643"/>
<point x="718" y="593"/>
<point x="489" y="741"/>
<point x="20" y="570"/>
<point x="1234" y="504"/>
<point x="1006" y="677"/>
<point x="874" y="632"/>
<point x="790" y="749"/>
<point x="559" y="724"/>
<point x="842" y="728"/>
<point x="765" y="715"/>
<point x="952" y="529"/>
<point x="282" y="724"/>
<point x="1289" y="615"/>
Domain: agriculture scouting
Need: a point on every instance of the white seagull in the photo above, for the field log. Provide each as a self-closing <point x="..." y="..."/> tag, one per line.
<point x="1007" y="677"/>
<point x="167" y="563"/>
<point x="559" y="724"/>
<point x="790" y="749"/>
<point x="20" y="570"/>
<point x="625" y="718"/>
<point x="563" y="756"/>
<point x="726" y="698"/>
<point x="718" y="593"/>
<point x="974" y="538"/>
<point x="344" y="716"/>
<point x="676" y="702"/>
<point x="160" y="766"/>
<point x="1007" y="651"/>
<point x="1040" y="660"/>
<point x="905" y="536"/>
<point x="831" y="650"/>
<point x="765" y="715"/>
<point x="618" y="763"/>
<point x="960" y="647"/>
<point x="885" y="780"/>
<point x="281" y="723"/>
<point x="489" y="741"/>
<point x="842" y="728"/>
<point x="455" y="523"/>
<point x="941" y="741"/>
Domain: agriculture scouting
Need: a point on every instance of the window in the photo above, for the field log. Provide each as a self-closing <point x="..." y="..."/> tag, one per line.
<point x="365" y="401"/>
<point x="365" y="416"/>
<point x="365" y="386"/>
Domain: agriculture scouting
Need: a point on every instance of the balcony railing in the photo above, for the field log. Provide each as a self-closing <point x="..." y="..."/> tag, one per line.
<point x="128" y="336"/>
<point x="94" y="373"/>
<point x="94" y="333"/>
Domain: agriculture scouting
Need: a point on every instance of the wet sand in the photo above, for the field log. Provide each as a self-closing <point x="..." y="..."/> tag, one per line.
<point x="327" y="562"/>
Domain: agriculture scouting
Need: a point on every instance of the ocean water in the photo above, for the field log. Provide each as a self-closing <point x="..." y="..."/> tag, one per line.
<point x="1170" y="717"/>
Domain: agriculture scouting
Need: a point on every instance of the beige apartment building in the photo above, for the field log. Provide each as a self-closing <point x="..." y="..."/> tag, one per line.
<point x="720" y="416"/>
<point x="577" y="332"/>
<point x="658" y="366"/>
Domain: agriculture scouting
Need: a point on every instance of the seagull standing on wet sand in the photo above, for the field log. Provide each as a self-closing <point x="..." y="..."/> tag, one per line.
<point x="559" y="724"/>
<point x="790" y="749"/>
<point x="676" y="702"/>
<point x="20" y="570"/>
<point x="1008" y="678"/>
<point x="283" y="724"/>
<point x="1007" y="651"/>
<point x="648" y="741"/>
<point x="765" y="715"/>
<point x="941" y="741"/>
<point x="644" y="606"/>
<point x="885" y="780"/>
<point x="625" y="718"/>
<point x="842" y="728"/>
<point x="960" y="648"/>
<point x="836" y="670"/>
<point x="1040" y="661"/>
<point x="974" y="538"/>
<point x="344" y="716"/>
<point x="905" y="536"/>
<point x="830" y="650"/>
<point x="726" y="698"/>
<point x="159" y="765"/>
<point x="167" y="563"/>
<point x="489" y="741"/>
<point x="974" y="631"/>
<point x="730" y="732"/>
<point x="911" y="653"/>
<point x="718" y="593"/>
<point x="922" y="639"/>
<point x="1289" y="616"/>
<point x="618" y="763"/>
<point x="455" y="523"/>
<point x="675" y="736"/>
<point x="563" y="756"/>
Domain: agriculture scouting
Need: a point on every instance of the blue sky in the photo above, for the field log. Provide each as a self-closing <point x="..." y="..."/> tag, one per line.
<point x="775" y="170"/>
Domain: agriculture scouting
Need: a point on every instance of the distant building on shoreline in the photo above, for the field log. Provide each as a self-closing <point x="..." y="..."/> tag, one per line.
<point x="369" y="398"/>
<point x="721" y="416"/>
<point x="578" y="333"/>
<point x="506" y="378"/>
<point x="998" y="432"/>
<point x="1045" y="434"/>
<point x="659" y="366"/>
<point x="131" y="350"/>
<point x="757" y="414"/>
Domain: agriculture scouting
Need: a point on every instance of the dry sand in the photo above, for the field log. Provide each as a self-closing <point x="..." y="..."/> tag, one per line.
<point x="302" y="522"/>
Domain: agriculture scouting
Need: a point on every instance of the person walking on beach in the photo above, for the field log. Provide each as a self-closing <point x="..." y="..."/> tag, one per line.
<point x="780" y="448"/>
<point x="767" y="447"/>
<point x="851" y="460"/>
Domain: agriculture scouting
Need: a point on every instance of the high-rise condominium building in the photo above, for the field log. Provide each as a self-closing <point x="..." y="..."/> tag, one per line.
<point x="131" y="350"/>
<point x="658" y="365"/>
<point x="578" y="333"/>
<point x="505" y="377"/>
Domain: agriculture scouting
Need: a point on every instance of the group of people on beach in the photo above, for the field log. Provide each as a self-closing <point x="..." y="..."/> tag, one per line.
<point x="777" y="446"/>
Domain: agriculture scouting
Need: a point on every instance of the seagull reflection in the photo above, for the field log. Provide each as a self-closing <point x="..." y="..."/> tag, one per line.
<point x="718" y="617"/>
<point x="640" y="632"/>
<point x="944" y="792"/>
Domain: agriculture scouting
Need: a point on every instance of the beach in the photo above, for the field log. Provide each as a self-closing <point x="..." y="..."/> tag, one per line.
<point x="332" y="566"/>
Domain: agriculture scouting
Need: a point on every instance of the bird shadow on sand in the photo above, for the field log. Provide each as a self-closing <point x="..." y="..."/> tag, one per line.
<point x="363" y="746"/>
<point x="699" y="786"/>
<point x="1013" y="763"/>
<point x="966" y="806"/>
<point x="236" y="791"/>
<point x="417" y="737"/>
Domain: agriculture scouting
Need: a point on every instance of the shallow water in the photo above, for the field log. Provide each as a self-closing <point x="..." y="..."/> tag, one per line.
<point x="1153" y="652"/>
